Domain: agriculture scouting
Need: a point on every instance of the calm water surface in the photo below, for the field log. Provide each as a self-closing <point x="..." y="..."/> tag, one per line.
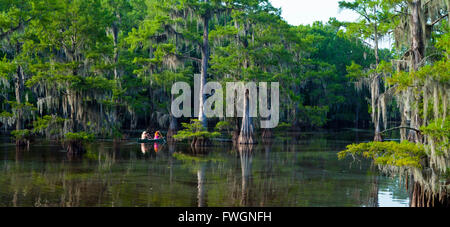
<point x="295" y="170"/>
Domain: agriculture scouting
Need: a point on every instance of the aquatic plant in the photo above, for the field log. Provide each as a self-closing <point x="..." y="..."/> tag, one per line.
<point x="74" y="142"/>
<point x="195" y="131"/>
<point x="22" y="137"/>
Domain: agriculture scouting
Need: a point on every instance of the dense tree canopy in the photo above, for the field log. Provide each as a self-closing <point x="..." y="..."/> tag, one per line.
<point x="106" y="66"/>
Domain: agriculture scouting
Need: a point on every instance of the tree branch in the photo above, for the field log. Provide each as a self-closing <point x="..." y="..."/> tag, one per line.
<point x="191" y="58"/>
<point x="439" y="19"/>
<point x="19" y="26"/>
<point x="170" y="29"/>
<point x="188" y="57"/>
<point x="400" y="127"/>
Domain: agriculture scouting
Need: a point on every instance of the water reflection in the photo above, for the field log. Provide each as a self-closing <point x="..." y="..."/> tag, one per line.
<point x="201" y="185"/>
<point x="245" y="153"/>
<point x="373" y="194"/>
<point x="293" y="171"/>
<point x="389" y="196"/>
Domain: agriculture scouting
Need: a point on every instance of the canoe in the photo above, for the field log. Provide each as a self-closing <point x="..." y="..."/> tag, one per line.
<point x="161" y="140"/>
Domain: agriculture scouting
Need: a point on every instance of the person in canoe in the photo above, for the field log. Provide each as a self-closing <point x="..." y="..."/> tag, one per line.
<point x="158" y="135"/>
<point x="145" y="135"/>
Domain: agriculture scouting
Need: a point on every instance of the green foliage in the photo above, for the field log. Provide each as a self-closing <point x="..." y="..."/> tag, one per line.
<point x="384" y="67"/>
<point x="223" y="126"/>
<point x="119" y="59"/>
<point x="283" y="126"/>
<point x="375" y="16"/>
<point x="437" y="129"/>
<point x="116" y="133"/>
<point x="79" y="137"/>
<point x="194" y="130"/>
<point x="443" y="44"/>
<point x="355" y="72"/>
<point x="23" y="134"/>
<point x="315" y="116"/>
<point x="5" y="114"/>
<point x="438" y="132"/>
<point x="404" y="154"/>
<point x="49" y="125"/>
<point x="22" y="106"/>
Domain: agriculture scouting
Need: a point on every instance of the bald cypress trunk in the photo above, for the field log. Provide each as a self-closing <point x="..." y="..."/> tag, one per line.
<point x="18" y="87"/>
<point x="204" y="69"/>
<point x="202" y="142"/>
<point x="19" y="90"/>
<point x="420" y="197"/>
<point x="247" y="131"/>
<point x="377" y="58"/>
<point x="417" y="42"/>
<point x="418" y="52"/>
<point x="115" y="33"/>
<point x="377" y="81"/>
<point x="173" y="124"/>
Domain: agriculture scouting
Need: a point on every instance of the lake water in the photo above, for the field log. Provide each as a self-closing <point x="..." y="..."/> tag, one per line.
<point x="299" y="169"/>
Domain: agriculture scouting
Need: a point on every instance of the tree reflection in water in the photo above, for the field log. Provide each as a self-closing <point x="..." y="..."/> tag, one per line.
<point x="245" y="154"/>
<point x="294" y="172"/>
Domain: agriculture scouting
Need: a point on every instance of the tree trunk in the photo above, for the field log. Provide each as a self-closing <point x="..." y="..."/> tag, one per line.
<point x="357" y="115"/>
<point x="236" y="130"/>
<point x="418" y="49"/>
<point x="417" y="42"/>
<point x="204" y="66"/>
<point x="377" y="61"/>
<point x="173" y="125"/>
<point x="378" y="136"/>
<point x="375" y="94"/>
<point x="203" y="142"/>
<point x="115" y="33"/>
<point x="18" y="87"/>
<point x="19" y="91"/>
<point x="267" y="133"/>
<point x="377" y="58"/>
<point x="422" y="198"/>
<point x="246" y="135"/>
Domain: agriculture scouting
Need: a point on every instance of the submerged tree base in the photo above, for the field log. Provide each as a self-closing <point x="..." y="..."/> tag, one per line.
<point x="246" y="139"/>
<point x="423" y="198"/>
<point x="201" y="142"/>
<point x="74" y="147"/>
<point x="267" y="133"/>
<point x="22" y="137"/>
<point x="170" y="135"/>
<point x="195" y="131"/>
<point x="378" y="137"/>
<point x="235" y="136"/>
<point x="23" y="143"/>
<point x="73" y="143"/>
